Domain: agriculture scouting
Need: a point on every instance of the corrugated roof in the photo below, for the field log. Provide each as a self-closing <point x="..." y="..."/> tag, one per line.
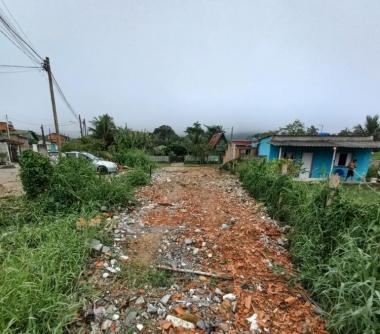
<point x="326" y="141"/>
<point x="216" y="137"/>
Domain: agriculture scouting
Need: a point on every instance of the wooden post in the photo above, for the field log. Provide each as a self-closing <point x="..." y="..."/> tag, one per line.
<point x="332" y="161"/>
<point x="47" y="68"/>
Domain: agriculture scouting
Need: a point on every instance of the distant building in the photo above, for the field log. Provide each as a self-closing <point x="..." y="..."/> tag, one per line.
<point x="217" y="145"/>
<point x="321" y="156"/>
<point x="53" y="138"/>
<point x="240" y="148"/>
<point x="4" y="128"/>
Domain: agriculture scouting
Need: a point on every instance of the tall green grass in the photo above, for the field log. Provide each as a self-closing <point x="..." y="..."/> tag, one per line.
<point x="335" y="242"/>
<point x="42" y="252"/>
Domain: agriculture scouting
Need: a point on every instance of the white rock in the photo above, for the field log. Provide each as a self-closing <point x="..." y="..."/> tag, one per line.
<point x="140" y="327"/>
<point x="218" y="291"/>
<point x="115" y="316"/>
<point x="106" y="324"/>
<point x="177" y="322"/>
<point x="254" y="328"/>
<point x="229" y="296"/>
<point x="195" y="251"/>
<point x="105" y="275"/>
<point x="165" y="299"/>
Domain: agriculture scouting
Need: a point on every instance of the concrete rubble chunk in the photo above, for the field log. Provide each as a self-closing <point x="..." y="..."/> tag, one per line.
<point x="230" y="297"/>
<point x="177" y="322"/>
<point x="96" y="245"/>
<point x="188" y="241"/>
<point x="140" y="301"/>
<point x="165" y="299"/>
<point x="106" y="249"/>
<point x="106" y="324"/>
<point x="151" y="309"/>
<point x="130" y="318"/>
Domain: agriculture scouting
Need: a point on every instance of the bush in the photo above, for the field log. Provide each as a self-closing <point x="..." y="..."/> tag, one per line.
<point x="75" y="184"/>
<point x="137" y="177"/>
<point x="36" y="172"/>
<point x="135" y="159"/>
<point x="373" y="172"/>
<point x="335" y="241"/>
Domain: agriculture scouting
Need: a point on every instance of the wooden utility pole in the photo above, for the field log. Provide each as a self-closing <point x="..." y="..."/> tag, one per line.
<point x="47" y="68"/>
<point x="43" y="135"/>
<point x="84" y="127"/>
<point x="9" y="140"/>
<point x="80" y="126"/>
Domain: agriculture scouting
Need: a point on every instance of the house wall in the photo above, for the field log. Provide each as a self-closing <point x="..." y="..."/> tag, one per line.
<point x="322" y="157"/>
<point x="4" y="149"/>
<point x="267" y="150"/>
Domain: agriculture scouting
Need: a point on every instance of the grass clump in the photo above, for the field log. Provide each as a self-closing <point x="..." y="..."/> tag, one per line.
<point x="335" y="241"/>
<point x="138" y="276"/>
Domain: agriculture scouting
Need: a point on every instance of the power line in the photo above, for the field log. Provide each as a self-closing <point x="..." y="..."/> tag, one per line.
<point x="19" y="66"/>
<point x="60" y="91"/>
<point x="18" y="71"/>
<point x="15" y="21"/>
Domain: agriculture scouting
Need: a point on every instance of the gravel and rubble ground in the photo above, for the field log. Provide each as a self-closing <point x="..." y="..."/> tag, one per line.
<point x="195" y="219"/>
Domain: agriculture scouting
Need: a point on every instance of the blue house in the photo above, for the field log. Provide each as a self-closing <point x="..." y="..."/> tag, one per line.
<point x="321" y="156"/>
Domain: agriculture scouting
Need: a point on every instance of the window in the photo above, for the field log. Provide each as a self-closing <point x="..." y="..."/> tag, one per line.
<point x="81" y="155"/>
<point x="342" y="159"/>
<point x="289" y="155"/>
<point x="71" y="155"/>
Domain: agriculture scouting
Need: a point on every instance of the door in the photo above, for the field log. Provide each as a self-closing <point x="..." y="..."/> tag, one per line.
<point x="307" y="160"/>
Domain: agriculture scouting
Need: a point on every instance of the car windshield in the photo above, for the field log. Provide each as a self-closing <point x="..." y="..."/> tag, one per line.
<point x="90" y="156"/>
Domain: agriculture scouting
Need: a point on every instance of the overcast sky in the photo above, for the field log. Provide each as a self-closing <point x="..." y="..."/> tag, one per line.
<point x="254" y="65"/>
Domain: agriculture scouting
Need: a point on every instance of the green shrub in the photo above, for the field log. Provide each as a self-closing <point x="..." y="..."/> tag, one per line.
<point x="75" y="184"/>
<point x="373" y="171"/>
<point x="36" y="172"/>
<point x="135" y="159"/>
<point x="335" y="241"/>
<point x="137" y="177"/>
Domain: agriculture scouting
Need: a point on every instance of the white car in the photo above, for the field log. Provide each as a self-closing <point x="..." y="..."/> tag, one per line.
<point x="102" y="166"/>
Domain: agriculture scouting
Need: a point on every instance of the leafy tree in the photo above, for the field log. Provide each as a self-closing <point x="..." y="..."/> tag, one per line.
<point x="103" y="128"/>
<point x="312" y="131"/>
<point x="164" y="135"/>
<point x="345" y="132"/>
<point x="196" y="140"/>
<point x="178" y="148"/>
<point x="297" y="128"/>
<point x="126" y="138"/>
<point x="370" y="128"/>
<point x="212" y="129"/>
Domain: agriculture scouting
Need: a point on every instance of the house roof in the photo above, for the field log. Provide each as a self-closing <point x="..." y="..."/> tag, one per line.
<point x="216" y="137"/>
<point x="325" y="141"/>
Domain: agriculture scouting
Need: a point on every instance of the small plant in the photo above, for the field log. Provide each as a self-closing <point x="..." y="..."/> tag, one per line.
<point x="36" y="173"/>
<point x="137" y="177"/>
<point x="138" y="276"/>
<point x="372" y="172"/>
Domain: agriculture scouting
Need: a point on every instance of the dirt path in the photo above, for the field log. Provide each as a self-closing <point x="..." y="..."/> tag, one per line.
<point x="198" y="219"/>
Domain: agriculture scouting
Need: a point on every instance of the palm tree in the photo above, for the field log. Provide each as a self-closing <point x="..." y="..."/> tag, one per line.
<point x="370" y="128"/>
<point x="104" y="129"/>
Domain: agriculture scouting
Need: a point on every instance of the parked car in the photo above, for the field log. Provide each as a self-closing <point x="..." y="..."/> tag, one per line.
<point x="102" y="166"/>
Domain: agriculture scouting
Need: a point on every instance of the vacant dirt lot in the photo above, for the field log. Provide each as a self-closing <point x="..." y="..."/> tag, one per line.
<point x="10" y="182"/>
<point x="199" y="219"/>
